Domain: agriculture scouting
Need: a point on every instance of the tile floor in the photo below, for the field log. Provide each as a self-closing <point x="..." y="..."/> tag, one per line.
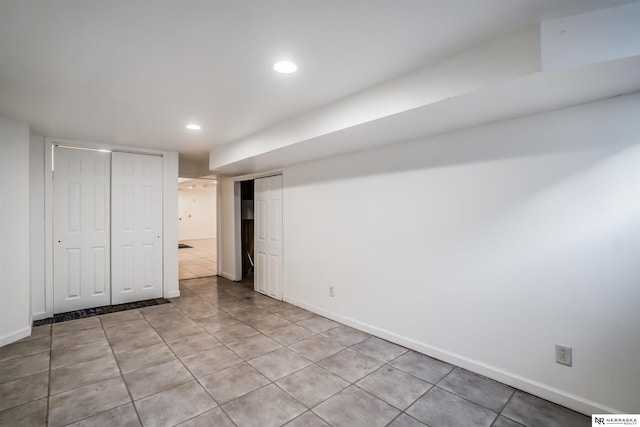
<point x="223" y="355"/>
<point x="198" y="261"/>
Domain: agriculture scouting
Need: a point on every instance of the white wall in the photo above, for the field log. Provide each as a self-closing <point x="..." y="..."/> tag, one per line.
<point x="170" y="225"/>
<point x="15" y="303"/>
<point x="36" y="225"/>
<point x="485" y="247"/>
<point x="603" y="35"/>
<point x="197" y="213"/>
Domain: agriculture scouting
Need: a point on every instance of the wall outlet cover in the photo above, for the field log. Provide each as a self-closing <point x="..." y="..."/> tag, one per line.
<point x="563" y="355"/>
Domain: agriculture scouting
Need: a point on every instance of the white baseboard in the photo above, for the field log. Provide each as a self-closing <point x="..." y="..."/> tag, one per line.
<point x="15" y="336"/>
<point x="552" y="394"/>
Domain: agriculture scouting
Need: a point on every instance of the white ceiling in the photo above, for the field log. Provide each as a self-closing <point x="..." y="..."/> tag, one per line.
<point x="135" y="72"/>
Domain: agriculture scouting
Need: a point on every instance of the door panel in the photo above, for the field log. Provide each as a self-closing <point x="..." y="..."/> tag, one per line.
<point x="136" y="227"/>
<point x="268" y="236"/>
<point x="81" y="208"/>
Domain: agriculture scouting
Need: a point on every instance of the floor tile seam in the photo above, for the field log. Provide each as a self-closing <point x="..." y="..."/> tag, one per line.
<point x="208" y="410"/>
<point x="73" y="331"/>
<point x="431" y="385"/>
<point x="410" y="416"/>
<point x="49" y="376"/>
<point x="28" y="354"/>
<point x="83" y="385"/>
<point x="507" y="404"/>
<point x="311" y="362"/>
<point x="300" y="415"/>
<point x="316" y="405"/>
<point x="513" y="391"/>
<point x="100" y="413"/>
<point x="413" y="375"/>
<point x="245" y="394"/>
<point x="126" y="386"/>
<point x="172" y="386"/>
<point x="193" y="378"/>
<point x="31" y="374"/>
<point x="466" y="399"/>
<point x="510" y="419"/>
<point x="189" y="370"/>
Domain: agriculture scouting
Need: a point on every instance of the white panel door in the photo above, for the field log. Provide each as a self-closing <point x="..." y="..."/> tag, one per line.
<point x="81" y="212"/>
<point x="136" y="227"/>
<point x="268" y="236"/>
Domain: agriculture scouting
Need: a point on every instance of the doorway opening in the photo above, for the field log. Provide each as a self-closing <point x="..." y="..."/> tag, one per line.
<point x="197" y="229"/>
<point x="247" y="230"/>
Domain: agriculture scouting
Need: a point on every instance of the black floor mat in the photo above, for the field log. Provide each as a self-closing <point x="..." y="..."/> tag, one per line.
<point x="89" y="312"/>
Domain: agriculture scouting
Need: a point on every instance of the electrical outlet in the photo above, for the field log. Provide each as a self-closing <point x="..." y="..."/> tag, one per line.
<point x="563" y="355"/>
<point x="331" y="294"/>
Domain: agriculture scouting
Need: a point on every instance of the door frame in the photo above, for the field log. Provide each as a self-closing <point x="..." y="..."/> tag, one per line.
<point x="169" y="214"/>
<point x="237" y="222"/>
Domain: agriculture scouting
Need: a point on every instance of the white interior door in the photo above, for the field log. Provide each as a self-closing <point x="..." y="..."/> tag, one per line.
<point x="81" y="229"/>
<point x="268" y="236"/>
<point x="136" y="223"/>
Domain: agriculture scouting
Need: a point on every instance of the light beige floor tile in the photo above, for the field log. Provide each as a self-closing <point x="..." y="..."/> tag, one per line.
<point x="25" y="348"/>
<point x="82" y="374"/>
<point x="73" y="338"/>
<point x="268" y="406"/>
<point x="215" y="417"/>
<point x="29" y="415"/>
<point x="178" y="330"/>
<point x="120" y="316"/>
<point x="152" y="380"/>
<point x="23" y="366"/>
<point x="233" y="382"/>
<point x="23" y="390"/>
<point x="121" y="416"/>
<point x="175" y="405"/>
<point x="75" y="325"/>
<point x="280" y="363"/>
<point x="209" y="361"/>
<point x="193" y="344"/>
<point x="66" y="356"/>
<point x="113" y="329"/>
<point x="128" y="342"/>
<point x="141" y="358"/>
<point x="74" y="405"/>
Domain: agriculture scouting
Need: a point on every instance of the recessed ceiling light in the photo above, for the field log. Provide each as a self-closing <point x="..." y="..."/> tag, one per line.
<point x="193" y="126"/>
<point x="285" y="67"/>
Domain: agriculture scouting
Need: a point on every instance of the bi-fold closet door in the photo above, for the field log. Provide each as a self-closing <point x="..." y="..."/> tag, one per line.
<point x="107" y="225"/>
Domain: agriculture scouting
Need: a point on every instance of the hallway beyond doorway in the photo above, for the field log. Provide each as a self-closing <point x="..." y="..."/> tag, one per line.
<point x="200" y="260"/>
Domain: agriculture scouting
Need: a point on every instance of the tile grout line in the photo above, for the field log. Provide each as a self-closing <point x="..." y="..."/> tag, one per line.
<point x="126" y="386"/>
<point x="49" y="379"/>
<point x="224" y="345"/>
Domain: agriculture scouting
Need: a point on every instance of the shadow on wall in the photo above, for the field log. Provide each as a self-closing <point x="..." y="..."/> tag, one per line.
<point x="536" y="135"/>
